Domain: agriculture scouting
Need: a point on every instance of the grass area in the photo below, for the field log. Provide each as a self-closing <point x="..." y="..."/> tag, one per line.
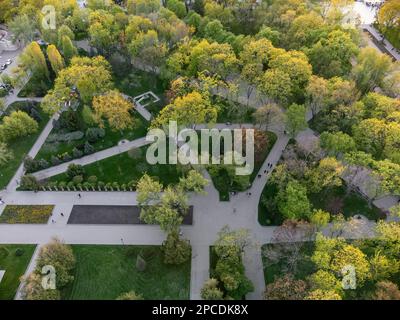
<point x="110" y="139"/>
<point x="138" y="82"/>
<point x="14" y="259"/>
<point x="127" y="167"/>
<point x="35" y="88"/>
<point x="392" y="35"/>
<point x="39" y="214"/>
<point x="20" y="149"/>
<point x="338" y="200"/>
<point x="335" y="200"/>
<point x="105" y="272"/>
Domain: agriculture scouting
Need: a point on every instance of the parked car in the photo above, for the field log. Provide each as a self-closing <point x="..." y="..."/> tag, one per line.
<point x="8" y="62"/>
<point x="3" y="67"/>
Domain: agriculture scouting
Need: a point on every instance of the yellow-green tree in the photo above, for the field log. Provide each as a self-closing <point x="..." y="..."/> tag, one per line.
<point x="55" y="58"/>
<point x="190" y="109"/>
<point x="90" y="76"/>
<point x="18" y="124"/>
<point x="33" y="60"/>
<point x="113" y="107"/>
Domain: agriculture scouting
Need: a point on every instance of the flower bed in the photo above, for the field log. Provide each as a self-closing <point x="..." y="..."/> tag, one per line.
<point x="26" y="214"/>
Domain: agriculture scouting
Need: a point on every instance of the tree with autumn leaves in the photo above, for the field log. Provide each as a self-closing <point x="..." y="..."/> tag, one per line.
<point x="113" y="107"/>
<point x="89" y="76"/>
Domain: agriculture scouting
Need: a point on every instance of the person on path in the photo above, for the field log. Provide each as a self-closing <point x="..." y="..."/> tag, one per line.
<point x="79" y="195"/>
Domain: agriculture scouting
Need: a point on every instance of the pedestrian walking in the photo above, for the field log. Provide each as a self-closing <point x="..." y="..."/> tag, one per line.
<point x="79" y="195"/>
<point x="62" y="214"/>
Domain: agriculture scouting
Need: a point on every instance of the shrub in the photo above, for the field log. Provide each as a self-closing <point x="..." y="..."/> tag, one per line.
<point x="33" y="289"/>
<point x="211" y="291"/>
<point x="71" y="185"/>
<point x="176" y="251"/>
<point x="87" y="186"/>
<point x="132" y="184"/>
<point x="95" y="134"/>
<point x="88" y="148"/>
<point x="115" y="185"/>
<point x="92" y="180"/>
<point x="55" y="160"/>
<point x="88" y="116"/>
<point x="66" y="157"/>
<point x="75" y="170"/>
<point x="101" y="185"/>
<point x="76" y="153"/>
<point x="19" y="252"/>
<point x="77" y="180"/>
<point x="59" y="255"/>
<point x="37" y="214"/>
<point x="62" y="185"/>
<point x="43" y="164"/>
<point x="16" y="125"/>
<point x="65" y="137"/>
<point x="69" y="120"/>
<point x="29" y="182"/>
<point x="31" y="165"/>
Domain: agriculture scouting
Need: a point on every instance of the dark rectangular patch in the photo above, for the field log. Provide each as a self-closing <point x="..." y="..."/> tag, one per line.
<point x="112" y="215"/>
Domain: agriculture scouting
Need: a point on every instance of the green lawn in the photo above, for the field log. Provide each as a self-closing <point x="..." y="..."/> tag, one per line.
<point x="14" y="266"/>
<point x="336" y="200"/>
<point x="34" y="88"/>
<point x="20" y="149"/>
<point x="349" y="203"/>
<point x="38" y="214"/>
<point x="392" y="35"/>
<point x="105" y="272"/>
<point x="126" y="167"/>
<point x="110" y="139"/>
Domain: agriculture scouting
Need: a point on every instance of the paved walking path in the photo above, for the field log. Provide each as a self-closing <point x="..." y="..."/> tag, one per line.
<point x="31" y="267"/>
<point x="139" y="108"/>
<point x="388" y="46"/>
<point x="13" y="184"/>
